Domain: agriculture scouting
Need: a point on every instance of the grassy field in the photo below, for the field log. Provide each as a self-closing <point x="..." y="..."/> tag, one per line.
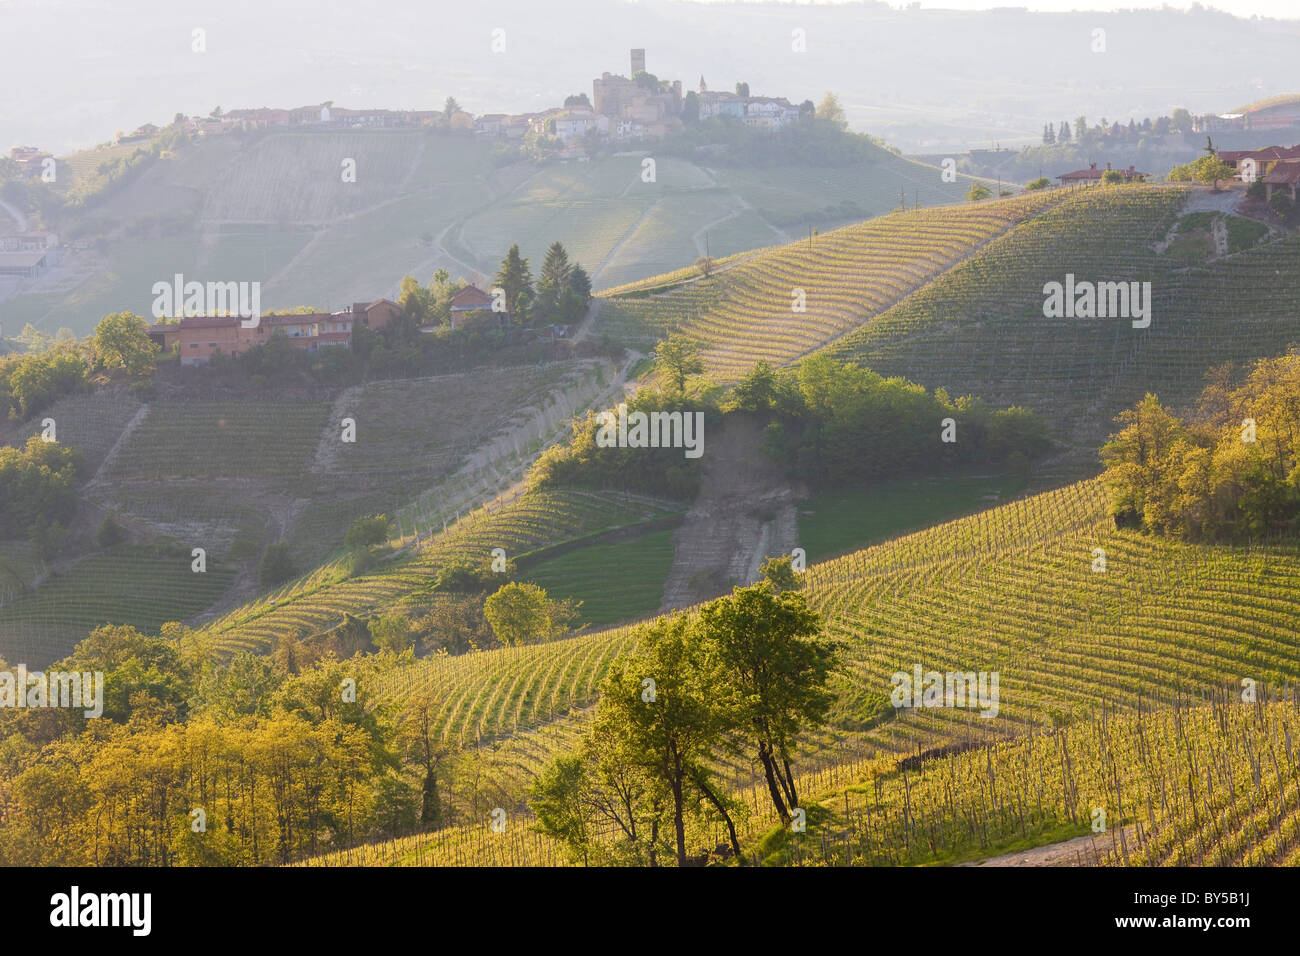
<point x="615" y="581"/>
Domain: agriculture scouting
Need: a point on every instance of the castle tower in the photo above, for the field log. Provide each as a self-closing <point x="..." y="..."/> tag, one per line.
<point x="703" y="86"/>
<point x="638" y="62"/>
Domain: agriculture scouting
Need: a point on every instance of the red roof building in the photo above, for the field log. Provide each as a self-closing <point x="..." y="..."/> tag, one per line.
<point x="1093" y="175"/>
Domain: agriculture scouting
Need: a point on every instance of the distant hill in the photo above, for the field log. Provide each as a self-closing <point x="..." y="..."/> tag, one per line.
<point x="272" y="207"/>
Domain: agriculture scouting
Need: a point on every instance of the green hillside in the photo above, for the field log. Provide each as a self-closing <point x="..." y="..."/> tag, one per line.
<point x="747" y="311"/>
<point x="273" y="207"/>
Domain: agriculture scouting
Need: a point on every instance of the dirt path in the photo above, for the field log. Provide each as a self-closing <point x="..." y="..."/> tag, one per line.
<point x="745" y="511"/>
<point x="1081" y="851"/>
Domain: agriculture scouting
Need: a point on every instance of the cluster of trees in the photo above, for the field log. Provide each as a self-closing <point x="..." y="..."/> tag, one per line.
<point x="38" y="487"/>
<point x="1231" y="469"/>
<point x="835" y="423"/>
<point x="54" y="368"/>
<point x="744" y="677"/>
<point x="559" y="295"/>
<point x="279" y="763"/>
<point x="1105" y="134"/>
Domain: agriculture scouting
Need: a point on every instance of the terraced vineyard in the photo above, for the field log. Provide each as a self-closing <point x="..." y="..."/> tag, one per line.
<point x="535" y="520"/>
<point x="745" y="314"/>
<point x="1010" y="590"/>
<point x="222" y="439"/>
<point x="128" y="585"/>
<point x="980" y="329"/>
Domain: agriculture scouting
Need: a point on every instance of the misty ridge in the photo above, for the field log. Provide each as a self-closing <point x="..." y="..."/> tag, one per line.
<point x="922" y="79"/>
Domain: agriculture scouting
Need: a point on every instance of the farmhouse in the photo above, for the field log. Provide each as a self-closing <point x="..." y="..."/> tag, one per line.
<point x="469" y="301"/>
<point x="25" y="265"/>
<point x="198" y="338"/>
<point x="1283" y="174"/>
<point x="372" y="315"/>
<point x="1083" y="177"/>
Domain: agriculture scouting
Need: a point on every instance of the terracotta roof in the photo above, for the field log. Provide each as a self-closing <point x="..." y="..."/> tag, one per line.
<point x="1285" y="172"/>
<point x="470" y="297"/>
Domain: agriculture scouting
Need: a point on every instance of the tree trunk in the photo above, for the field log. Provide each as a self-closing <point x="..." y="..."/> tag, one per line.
<point x="789" y="777"/>
<point x="679" y="820"/>
<point x="769" y="771"/>
<point x="718" y="805"/>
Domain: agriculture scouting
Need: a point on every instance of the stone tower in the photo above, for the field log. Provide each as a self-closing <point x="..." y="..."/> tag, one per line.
<point x="638" y="62"/>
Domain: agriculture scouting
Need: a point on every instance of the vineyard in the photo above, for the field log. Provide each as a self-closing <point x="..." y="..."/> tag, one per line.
<point x="1149" y="653"/>
<point x="748" y="313"/>
<point x="318" y="601"/>
<point x="980" y="329"/>
<point x="143" y="586"/>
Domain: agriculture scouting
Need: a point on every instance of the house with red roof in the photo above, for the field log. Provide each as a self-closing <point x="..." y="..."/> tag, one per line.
<point x="1083" y="177"/>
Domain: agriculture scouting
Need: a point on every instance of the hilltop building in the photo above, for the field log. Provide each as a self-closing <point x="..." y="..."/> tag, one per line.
<point x="633" y="109"/>
<point x="198" y="338"/>
<point x="1093" y="175"/>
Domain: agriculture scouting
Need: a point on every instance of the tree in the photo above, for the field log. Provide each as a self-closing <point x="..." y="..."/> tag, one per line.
<point x="1081" y="128"/>
<point x="830" y="110"/>
<point x="1049" y="135"/>
<point x="1042" y="182"/>
<point x="516" y="281"/>
<point x="773" y="667"/>
<point x="421" y="744"/>
<point x="109" y="534"/>
<point x="391" y="632"/>
<point x="521" y="613"/>
<point x="577" y="99"/>
<point x="742" y="90"/>
<point x="366" y="532"/>
<point x="1180" y="121"/>
<point x="122" y="340"/>
<point x="1063" y="134"/>
<point x="977" y="192"/>
<point x="580" y="285"/>
<point x="1112" y="177"/>
<point x="449" y="109"/>
<point x="691" y="107"/>
<point x="668" y="728"/>
<point x="705" y="265"/>
<point x="277" y="565"/>
<point x="678" y="358"/>
<point x="1210" y="169"/>
<point x="553" y="283"/>
<point x="780" y="573"/>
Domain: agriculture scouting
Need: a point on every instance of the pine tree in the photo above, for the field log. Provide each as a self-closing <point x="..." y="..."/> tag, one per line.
<point x="1064" y="135"/>
<point x="515" y="279"/>
<point x="553" y="284"/>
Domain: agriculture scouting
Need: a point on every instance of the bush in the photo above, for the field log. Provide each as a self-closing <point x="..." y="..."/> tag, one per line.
<point x="276" y="567"/>
<point x="110" y="533"/>
<point x="367" y="532"/>
<point x="1042" y="182"/>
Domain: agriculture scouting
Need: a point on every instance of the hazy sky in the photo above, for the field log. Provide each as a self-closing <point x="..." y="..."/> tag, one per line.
<point x="1280" y="9"/>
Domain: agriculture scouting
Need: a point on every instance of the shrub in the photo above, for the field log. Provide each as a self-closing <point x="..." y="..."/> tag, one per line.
<point x="276" y="567"/>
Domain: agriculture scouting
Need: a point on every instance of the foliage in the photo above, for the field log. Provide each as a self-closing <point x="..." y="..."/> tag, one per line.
<point x="522" y="613"/>
<point x="1233" y="469"/>
<point x="276" y="566"/>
